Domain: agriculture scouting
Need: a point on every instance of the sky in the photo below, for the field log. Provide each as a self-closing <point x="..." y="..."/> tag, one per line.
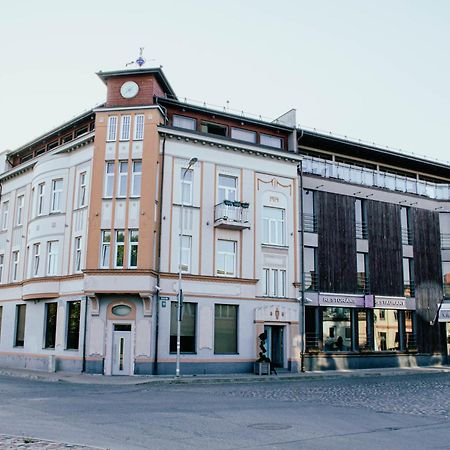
<point x="372" y="70"/>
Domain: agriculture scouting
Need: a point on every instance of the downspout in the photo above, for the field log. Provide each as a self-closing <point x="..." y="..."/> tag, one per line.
<point x="158" y="259"/>
<point x="84" y="334"/>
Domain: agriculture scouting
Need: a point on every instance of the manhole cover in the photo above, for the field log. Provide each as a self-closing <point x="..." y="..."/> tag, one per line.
<point x="270" y="426"/>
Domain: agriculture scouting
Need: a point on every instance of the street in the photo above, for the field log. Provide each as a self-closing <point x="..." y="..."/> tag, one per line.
<point x="373" y="412"/>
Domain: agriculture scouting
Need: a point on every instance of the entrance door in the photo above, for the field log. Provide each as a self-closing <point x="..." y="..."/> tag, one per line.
<point x="121" y="350"/>
<point x="275" y="344"/>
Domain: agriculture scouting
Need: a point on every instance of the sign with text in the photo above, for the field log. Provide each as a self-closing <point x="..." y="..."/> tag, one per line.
<point x="444" y="314"/>
<point x="383" y="302"/>
<point x="341" y="300"/>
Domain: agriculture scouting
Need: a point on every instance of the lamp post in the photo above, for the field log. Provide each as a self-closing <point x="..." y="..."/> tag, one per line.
<point x="302" y="271"/>
<point x="192" y="161"/>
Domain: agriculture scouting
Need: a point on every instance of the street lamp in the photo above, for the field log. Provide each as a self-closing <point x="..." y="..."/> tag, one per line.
<point x="302" y="271"/>
<point x="192" y="161"/>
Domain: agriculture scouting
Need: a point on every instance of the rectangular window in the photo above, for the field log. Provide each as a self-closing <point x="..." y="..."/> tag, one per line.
<point x="73" y="325"/>
<point x="5" y="210"/>
<point x="270" y="141"/>
<point x="408" y="277"/>
<point x="36" y="259"/>
<point x="186" y="186"/>
<point x="309" y="211"/>
<point x="77" y="255"/>
<point x="186" y="250"/>
<point x="214" y="128"/>
<point x="386" y="331"/>
<point x="56" y="195"/>
<point x="40" y="199"/>
<point x="336" y="329"/>
<point x="105" y="250"/>
<point x="360" y="219"/>
<point x="19" y="213"/>
<point x="184" y="122"/>
<point x="82" y="190"/>
<point x="133" y="249"/>
<point x="15" y="271"/>
<point x="273" y="226"/>
<point x="125" y="128"/>
<point x="136" y="178"/>
<point x="109" y="179"/>
<point x="52" y="257"/>
<point x="118" y="254"/>
<point x="51" y="311"/>
<point x="274" y="282"/>
<point x="123" y="179"/>
<point x="363" y="333"/>
<point x="2" y="262"/>
<point x="188" y="327"/>
<point x="138" y="127"/>
<point x="405" y="224"/>
<point x="226" y="258"/>
<point x="243" y="135"/>
<point x="225" y="329"/>
<point x="310" y="267"/>
<point x="227" y="188"/>
<point x="266" y="281"/>
<point x="20" y="325"/>
<point x="111" y="133"/>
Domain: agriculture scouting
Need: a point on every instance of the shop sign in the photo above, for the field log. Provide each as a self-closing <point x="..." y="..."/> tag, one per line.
<point x="341" y="300"/>
<point x="390" y="302"/>
<point x="444" y="315"/>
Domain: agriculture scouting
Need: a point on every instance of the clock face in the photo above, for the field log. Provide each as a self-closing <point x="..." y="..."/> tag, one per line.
<point x="129" y="89"/>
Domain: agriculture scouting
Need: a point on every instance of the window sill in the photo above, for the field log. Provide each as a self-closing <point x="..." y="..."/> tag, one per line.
<point x="276" y="246"/>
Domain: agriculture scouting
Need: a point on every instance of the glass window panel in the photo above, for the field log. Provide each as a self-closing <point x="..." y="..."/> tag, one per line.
<point x="188" y="327"/>
<point x="51" y="310"/>
<point x="386" y="330"/>
<point x="73" y="325"/>
<point x="270" y="141"/>
<point x="243" y="135"/>
<point x="225" y="329"/>
<point x="446" y="278"/>
<point x="336" y="329"/>
<point x="363" y="340"/>
<point x="20" y="325"/>
<point x="184" y="122"/>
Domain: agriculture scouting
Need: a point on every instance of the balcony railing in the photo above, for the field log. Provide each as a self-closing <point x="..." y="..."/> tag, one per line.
<point x="445" y="241"/>
<point x="231" y="214"/>
<point x="406" y="236"/>
<point x="370" y="177"/>
<point x="361" y="230"/>
<point x="310" y="223"/>
<point x="363" y="284"/>
<point x="311" y="281"/>
<point x="409" y="289"/>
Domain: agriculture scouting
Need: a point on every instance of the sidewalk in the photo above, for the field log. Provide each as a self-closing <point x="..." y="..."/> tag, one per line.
<point x="226" y="378"/>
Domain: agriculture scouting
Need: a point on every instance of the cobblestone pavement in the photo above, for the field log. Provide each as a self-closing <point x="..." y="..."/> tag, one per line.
<point x="16" y="442"/>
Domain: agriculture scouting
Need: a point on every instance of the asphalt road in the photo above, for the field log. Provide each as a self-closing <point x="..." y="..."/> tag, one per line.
<point x="384" y="412"/>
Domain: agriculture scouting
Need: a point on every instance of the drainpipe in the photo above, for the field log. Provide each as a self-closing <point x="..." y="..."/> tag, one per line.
<point x="84" y="334"/>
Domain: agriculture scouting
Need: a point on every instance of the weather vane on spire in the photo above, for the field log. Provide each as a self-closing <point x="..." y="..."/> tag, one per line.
<point x="140" y="61"/>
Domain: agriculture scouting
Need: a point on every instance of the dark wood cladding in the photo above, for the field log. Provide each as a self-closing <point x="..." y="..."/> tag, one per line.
<point x="385" y="248"/>
<point x="337" y="242"/>
<point x="428" y="277"/>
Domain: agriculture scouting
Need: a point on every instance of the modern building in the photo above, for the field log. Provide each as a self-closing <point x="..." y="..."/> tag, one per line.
<point x="99" y="214"/>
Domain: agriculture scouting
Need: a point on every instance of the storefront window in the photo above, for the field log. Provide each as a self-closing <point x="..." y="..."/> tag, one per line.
<point x="363" y="331"/>
<point x="337" y="331"/>
<point x="385" y="322"/>
<point x="188" y="328"/>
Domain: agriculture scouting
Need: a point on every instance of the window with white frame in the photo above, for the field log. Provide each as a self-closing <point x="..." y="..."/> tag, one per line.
<point x="186" y="186"/>
<point x="77" y="255"/>
<point x="187" y="123"/>
<point x="52" y="257"/>
<point x="36" y="258"/>
<point x="274" y="282"/>
<point x="243" y="135"/>
<point x="119" y="250"/>
<point x="138" y="127"/>
<point x="105" y="249"/>
<point x="227" y="188"/>
<point x="123" y="179"/>
<point x="133" y="244"/>
<point x="15" y="268"/>
<point x="5" y="212"/>
<point x="40" y="199"/>
<point x="125" y="128"/>
<point x="274" y="225"/>
<point x="2" y="262"/>
<point x="136" y="178"/>
<point x="270" y="141"/>
<point x="82" y="190"/>
<point x="186" y="252"/>
<point x="19" y="212"/>
<point x="57" y="186"/>
<point x="111" y="133"/>
<point x="109" y="179"/>
<point x="226" y="258"/>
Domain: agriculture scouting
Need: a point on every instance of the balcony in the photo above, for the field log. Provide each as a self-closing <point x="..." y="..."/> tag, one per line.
<point x="232" y="215"/>
<point x="361" y="230"/>
<point x="310" y="223"/>
<point x="407" y="237"/>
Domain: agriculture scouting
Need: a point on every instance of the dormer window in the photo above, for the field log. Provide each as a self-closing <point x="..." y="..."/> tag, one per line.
<point x="214" y="128"/>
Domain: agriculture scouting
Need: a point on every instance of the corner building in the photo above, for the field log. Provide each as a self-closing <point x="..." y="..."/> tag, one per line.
<point x="90" y="243"/>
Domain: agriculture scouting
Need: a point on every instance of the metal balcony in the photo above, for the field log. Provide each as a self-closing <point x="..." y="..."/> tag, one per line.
<point x="232" y="215"/>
